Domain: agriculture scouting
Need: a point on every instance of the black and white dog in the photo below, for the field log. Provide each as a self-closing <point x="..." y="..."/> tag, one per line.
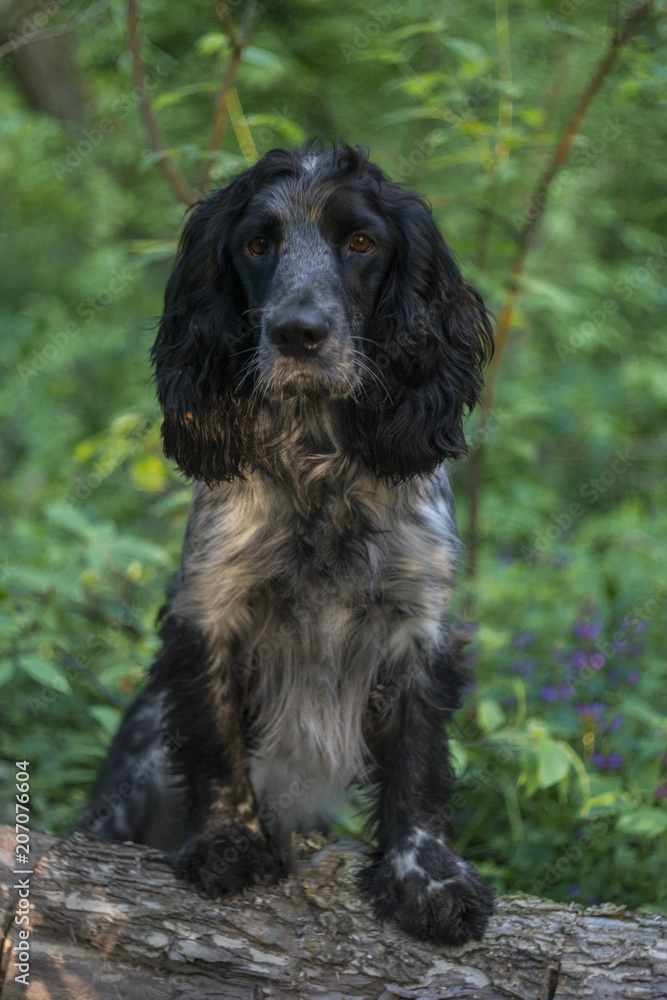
<point x="317" y="351"/>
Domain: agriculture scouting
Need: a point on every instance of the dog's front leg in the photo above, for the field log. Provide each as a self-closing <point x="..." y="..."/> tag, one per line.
<point x="417" y="878"/>
<point x="226" y="850"/>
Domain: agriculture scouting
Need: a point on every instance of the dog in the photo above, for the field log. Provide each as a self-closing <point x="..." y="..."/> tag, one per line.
<point x="316" y="354"/>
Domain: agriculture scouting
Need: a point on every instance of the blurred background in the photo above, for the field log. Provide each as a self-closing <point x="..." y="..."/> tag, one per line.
<point x="113" y="117"/>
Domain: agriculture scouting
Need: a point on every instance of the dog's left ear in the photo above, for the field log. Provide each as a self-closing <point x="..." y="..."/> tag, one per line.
<point x="432" y="337"/>
<point x="200" y="342"/>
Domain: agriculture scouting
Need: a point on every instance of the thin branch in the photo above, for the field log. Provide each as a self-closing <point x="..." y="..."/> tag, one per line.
<point x="59" y="29"/>
<point x="75" y="662"/>
<point x="540" y="194"/>
<point x="227" y="23"/>
<point x="238" y="44"/>
<point x="179" y="184"/>
<point x="502" y="149"/>
<point x="505" y="80"/>
<point x="538" y="201"/>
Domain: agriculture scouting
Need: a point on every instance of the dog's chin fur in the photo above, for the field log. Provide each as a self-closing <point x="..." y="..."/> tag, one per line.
<point x="306" y="643"/>
<point x="307" y="385"/>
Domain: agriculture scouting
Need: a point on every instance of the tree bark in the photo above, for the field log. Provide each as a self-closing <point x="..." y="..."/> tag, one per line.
<point x="46" y="73"/>
<point x="109" y="920"/>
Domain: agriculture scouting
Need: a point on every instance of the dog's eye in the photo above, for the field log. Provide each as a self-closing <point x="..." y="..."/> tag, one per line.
<point x="361" y="243"/>
<point x="257" y="246"/>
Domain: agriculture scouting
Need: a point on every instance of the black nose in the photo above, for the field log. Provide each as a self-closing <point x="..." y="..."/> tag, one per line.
<point x="299" y="335"/>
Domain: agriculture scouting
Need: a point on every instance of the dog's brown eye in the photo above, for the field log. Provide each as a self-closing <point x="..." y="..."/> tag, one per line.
<point x="258" y="246"/>
<point x="361" y="243"/>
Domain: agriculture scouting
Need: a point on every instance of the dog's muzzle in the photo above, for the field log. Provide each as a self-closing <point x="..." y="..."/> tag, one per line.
<point x="299" y="333"/>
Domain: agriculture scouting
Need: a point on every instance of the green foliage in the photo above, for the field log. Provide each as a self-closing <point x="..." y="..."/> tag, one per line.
<point x="562" y="778"/>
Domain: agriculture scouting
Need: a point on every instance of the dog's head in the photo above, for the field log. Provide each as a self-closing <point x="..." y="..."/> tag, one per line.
<point x="313" y="275"/>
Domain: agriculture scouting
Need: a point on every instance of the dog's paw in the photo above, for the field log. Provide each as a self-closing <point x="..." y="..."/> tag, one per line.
<point x="228" y="863"/>
<point x="429" y="891"/>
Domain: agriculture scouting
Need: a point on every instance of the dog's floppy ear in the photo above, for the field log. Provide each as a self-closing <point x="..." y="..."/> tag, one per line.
<point x="197" y="350"/>
<point x="433" y="337"/>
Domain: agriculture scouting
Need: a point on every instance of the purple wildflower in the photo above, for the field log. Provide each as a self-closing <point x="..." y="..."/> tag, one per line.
<point x="634" y="677"/>
<point x="587" y="630"/>
<point x="579" y="659"/>
<point x="661" y="792"/>
<point x="616" y="723"/>
<point x="610" y="762"/>
<point x="575" y="891"/>
<point x="619" y="645"/>
<point x="592" y="712"/>
<point x="524" y="668"/>
<point x="641" y="626"/>
<point x="523" y="640"/>
<point x="549" y="693"/>
<point x="565" y="692"/>
<point x="636" y="649"/>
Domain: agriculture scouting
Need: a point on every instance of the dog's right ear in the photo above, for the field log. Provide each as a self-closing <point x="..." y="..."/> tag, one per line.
<point x="196" y="353"/>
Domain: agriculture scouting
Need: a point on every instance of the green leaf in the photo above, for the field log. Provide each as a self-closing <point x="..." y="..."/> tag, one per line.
<point x="599" y="805"/>
<point x="410" y="30"/>
<point x="553" y="762"/>
<point x="212" y="42"/>
<point x="108" y="718"/>
<point x="45" y="673"/>
<point x="490" y="715"/>
<point x="291" y="130"/>
<point x="176" y="96"/>
<point x="7" y="671"/>
<point x="408" y="115"/>
<point x="459" y="757"/>
<point x="70" y="518"/>
<point x="465" y="48"/>
<point x="645" y="823"/>
<point x="255" y="56"/>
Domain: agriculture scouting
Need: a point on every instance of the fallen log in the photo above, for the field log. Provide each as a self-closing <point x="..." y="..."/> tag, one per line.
<point x="109" y="921"/>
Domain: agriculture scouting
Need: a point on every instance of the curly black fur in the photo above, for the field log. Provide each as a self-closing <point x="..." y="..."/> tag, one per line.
<point x="317" y="352"/>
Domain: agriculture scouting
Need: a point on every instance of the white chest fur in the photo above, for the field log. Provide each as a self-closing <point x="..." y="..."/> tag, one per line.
<point x="313" y="612"/>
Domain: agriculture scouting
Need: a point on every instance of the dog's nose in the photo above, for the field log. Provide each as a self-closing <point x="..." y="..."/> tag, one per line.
<point x="299" y="336"/>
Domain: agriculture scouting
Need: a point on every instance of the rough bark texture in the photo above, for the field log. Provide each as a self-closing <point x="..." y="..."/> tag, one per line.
<point x="109" y="921"/>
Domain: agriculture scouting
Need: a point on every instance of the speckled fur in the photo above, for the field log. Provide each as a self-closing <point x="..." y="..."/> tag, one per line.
<point x="306" y="646"/>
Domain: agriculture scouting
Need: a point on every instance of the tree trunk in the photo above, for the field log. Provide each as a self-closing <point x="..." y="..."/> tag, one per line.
<point x="47" y="75"/>
<point x="109" y="920"/>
